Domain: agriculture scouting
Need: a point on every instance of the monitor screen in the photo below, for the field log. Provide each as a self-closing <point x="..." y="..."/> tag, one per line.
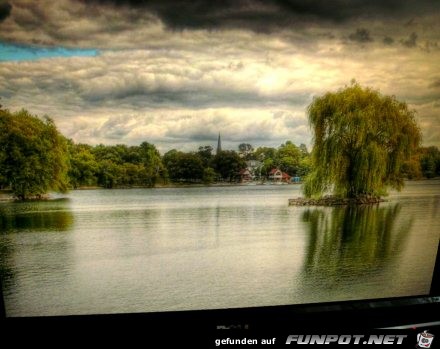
<point x="166" y="249"/>
<point x="179" y="134"/>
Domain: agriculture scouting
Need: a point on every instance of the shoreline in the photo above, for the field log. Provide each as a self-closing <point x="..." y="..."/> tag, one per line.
<point x="188" y="185"/>
<point x="7" y="196"/>
<point x="336" y="201"/>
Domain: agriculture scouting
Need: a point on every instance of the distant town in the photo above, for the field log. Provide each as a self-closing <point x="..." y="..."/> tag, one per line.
<point x="121" y="165"/>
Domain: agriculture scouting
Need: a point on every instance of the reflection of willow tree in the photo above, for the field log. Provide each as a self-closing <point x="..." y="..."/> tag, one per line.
<point x="350" y="241"/>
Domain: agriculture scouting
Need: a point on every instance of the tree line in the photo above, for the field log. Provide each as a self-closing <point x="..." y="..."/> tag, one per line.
<point x="36" y="158"/>
<point x="355" y="151"/>
<point x="111" y="166"/>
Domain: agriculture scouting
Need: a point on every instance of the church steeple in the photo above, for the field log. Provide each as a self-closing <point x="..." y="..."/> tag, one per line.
<point x="219" y="144"/>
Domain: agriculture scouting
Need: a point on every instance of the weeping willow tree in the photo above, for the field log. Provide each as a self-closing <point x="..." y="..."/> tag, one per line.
<point x="361" y="139"/>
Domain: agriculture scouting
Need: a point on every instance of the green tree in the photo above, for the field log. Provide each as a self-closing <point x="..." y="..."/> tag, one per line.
<point x="228" y="165"/>
<point x="83" y="165"/>
<point x="34" y="157"/>
<point x="303" y="150"/>
<point x="268" y="165"/>
<point x="205" y="154"/>
<point x="411" y="168"/>
<point x="152" y="162"/>
<point x="430" y="162"/>
<point x="110" y="174"/>
<point x="361" y="139"/>
<point x="187" y="167"/>
<point x="113" y="153"/>
<point x="304" y="166"/>
<point x="120" y="165"/>
<point x="267" y="157"/>
<point x="263" y="153"/>
<point x="246" y="151"/>
<point x="209" y="175"/>
<point x="288" y="157"/>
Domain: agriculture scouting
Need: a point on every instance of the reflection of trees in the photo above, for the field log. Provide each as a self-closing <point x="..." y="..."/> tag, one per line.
<point x="47" y="216"/>
<point x="28" y="217"/>
<point x="6" y="268"/>
<point x="350" y="241"/>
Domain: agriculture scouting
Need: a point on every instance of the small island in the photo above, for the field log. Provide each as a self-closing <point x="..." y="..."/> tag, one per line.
<point x="329" y="200"/>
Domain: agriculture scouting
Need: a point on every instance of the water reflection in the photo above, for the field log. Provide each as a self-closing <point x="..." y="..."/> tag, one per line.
<point x="53" y="215"/>
<point x="347" y="242"/>
<point x="180" y="249"/>
<point x="29" y="247"/>
<point x="6" y="270"/>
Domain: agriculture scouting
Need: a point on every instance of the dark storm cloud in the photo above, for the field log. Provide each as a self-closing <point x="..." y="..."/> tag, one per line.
<point x="268" y="15"/>
<point x="118" y="24"/>
<point x="259" y="131"/>
<point x="186" y="70"/>
<point x="5" y="10"/>
<point x="197" y="97"/>
<point x="361" y="35"/>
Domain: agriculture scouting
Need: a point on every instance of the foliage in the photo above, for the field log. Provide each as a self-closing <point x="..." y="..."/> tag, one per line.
<point x="246" y="151"/>
<point x="205" y="154"/>
<point x="263" y="153"/>
<point x="83" y="165"/>
<point x="228" y="165"/>
<point x="109" y="174"/>
<point x="115" y="166"/>
<point x="430" y="162"/>
<point x="288" y="157"/>
<point x="268" y="165"/>
<point x="151" y="161"/>
<point x="33" y="156"/>
<point x="183" y="167"/>
<point x="375" y="133"/>
<point x="411" y="168"/>
<point x="209" y="175"/>
<point x="361" y="139"/>
<point x="304" y="166"/>
<point x="303" y="150"/>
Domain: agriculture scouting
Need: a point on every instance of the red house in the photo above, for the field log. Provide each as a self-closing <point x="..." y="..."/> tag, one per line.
<point x="277" y="175"/>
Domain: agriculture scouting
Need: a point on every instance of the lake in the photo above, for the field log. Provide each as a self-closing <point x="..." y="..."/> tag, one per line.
<point x="148" y="250"/>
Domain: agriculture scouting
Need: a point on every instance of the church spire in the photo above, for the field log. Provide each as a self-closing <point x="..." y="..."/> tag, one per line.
<point x="219" y="144"/>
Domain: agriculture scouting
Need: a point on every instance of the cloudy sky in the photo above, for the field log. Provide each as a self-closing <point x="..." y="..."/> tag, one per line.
<point x="176" y="73"/>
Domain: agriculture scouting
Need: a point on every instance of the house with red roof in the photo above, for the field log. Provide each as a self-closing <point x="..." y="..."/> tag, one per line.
<point x="276" y="175"/>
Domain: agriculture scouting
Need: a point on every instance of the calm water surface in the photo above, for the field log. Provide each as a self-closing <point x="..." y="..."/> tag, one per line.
<point x="143" y="250"/>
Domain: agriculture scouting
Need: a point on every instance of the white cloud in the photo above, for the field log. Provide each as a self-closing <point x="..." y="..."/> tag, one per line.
<point x="180" y="88"/>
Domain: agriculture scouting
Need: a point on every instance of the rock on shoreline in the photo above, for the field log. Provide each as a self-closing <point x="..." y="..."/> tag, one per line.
<point x="335" y="201"/>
